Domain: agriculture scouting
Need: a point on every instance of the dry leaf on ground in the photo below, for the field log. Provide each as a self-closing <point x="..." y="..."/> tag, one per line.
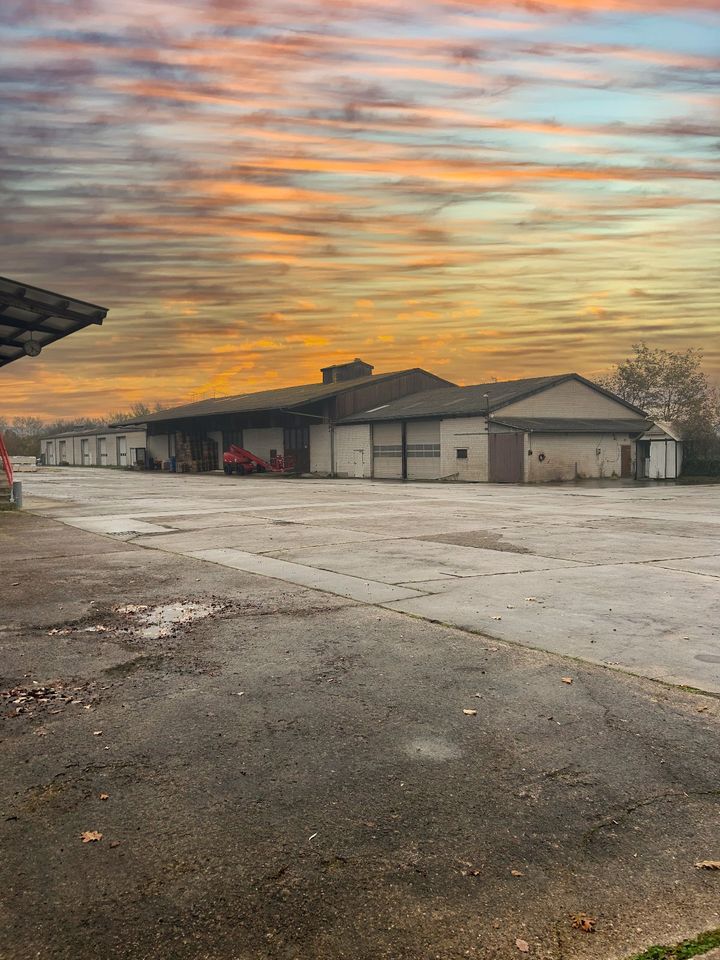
<point x="470" y="713"/>
<point x="114" y="843"/>
<point x="517" y="873"/>
<point x="566" y="679"/>
<point x="522" y="945"/>
<point x="581" y="921"/>
<point x="90" y="836"/>
<point x="104" y="796"/>
<point x="708" y="864"/>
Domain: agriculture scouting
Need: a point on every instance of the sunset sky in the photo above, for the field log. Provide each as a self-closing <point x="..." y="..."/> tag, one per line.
<point x="256" y="188"/>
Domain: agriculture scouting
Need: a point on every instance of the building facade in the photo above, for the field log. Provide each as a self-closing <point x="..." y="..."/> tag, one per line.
<point x="295" y="422"/>
<point x="514" y="431"/>
<point x="100" y="447"/>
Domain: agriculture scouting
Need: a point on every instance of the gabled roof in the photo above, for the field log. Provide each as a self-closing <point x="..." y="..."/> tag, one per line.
<point x="663" y="430"/>
<point x="285" y="398"/>
<point x="32" y="314"/>
<point x="572" y="424"/>
<point x="471" y="401"/>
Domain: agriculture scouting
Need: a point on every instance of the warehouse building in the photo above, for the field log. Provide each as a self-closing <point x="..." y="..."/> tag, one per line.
<point x="515" y="431"/>
<point x="294" y="422"/>
<point x="95" y="447"/>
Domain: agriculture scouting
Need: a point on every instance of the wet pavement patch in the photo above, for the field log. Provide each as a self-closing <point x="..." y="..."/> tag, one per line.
<point x="156" y="622"/>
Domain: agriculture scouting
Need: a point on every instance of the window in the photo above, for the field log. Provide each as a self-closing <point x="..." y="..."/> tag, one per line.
<point x="387" y="450"/>
<point x="423" y="450"/>
<point x="461" y="453"/>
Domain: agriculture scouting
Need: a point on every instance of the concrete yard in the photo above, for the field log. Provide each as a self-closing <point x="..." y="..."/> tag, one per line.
<point x="267" y="679"/>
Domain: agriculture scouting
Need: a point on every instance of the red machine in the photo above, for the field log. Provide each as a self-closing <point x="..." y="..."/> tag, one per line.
<point x="238" y="460"/>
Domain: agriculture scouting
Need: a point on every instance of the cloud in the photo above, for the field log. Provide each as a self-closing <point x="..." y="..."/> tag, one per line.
<point x="255" y="188"/>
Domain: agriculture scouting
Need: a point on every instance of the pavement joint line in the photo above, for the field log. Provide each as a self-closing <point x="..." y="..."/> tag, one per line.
<point x="623" y="671"/>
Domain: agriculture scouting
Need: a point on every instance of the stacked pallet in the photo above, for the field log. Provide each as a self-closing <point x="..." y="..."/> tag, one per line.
<point x="195" y="454"/>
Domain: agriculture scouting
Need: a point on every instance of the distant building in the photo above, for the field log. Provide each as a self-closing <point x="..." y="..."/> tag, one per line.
<point x="96" y="447"/>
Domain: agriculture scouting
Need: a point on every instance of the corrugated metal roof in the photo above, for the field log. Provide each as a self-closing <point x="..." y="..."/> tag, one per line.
<point x="470" y="401"/>
<point x="284" y="398"/>
<point x="573" y="424"/>
<point x="32" y="315"/>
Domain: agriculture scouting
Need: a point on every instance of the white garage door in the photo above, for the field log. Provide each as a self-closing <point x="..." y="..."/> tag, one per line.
<point x="387" y="451"/>
<point x="423" y="450"/>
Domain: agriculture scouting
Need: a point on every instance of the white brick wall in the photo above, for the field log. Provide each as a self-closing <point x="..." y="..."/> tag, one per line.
<point x="571" y="456"/>
<point x="320" y="448"/>
<point x="353" y="454"/>
<point x="569" y="399"/>
<point x="261" y="441"/>
<point x="468" y="433"/>
<point x="158" y="446"/>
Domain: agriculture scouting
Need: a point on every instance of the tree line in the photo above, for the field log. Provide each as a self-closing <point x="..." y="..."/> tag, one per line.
<point x="22" y="435"/>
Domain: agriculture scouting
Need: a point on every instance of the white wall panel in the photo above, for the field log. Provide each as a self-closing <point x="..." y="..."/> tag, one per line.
<point x="353" y="454"/>
<point x="465" y="433"/>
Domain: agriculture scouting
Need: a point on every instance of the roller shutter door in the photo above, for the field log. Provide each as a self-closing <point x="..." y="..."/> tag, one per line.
<point x="423" y="450"/>
<point x="387" y="451"/>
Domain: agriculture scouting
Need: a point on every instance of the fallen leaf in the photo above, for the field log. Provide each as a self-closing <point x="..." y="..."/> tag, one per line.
<point x="471" y="873"/>
<point x="566" y="679"/>
<point x="114" y="843"/>
<point x="496" y="618"/>
<point x="708" y="864"/>
<point x="517" y="873"/>
<point x="522" y="945"/>
<point x="470" y="713"/>
<point x="581" y="921"/>
<point x="97" y="733"/>
<point x="90" y="836"/>
<point x="104" y="796"/>
<point x="702" y="709"/>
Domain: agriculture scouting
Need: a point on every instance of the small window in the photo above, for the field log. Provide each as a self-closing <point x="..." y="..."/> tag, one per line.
<point x="461" y="453"/>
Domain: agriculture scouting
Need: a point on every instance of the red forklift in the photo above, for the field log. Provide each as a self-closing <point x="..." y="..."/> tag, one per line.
<point x="241" y="461"/>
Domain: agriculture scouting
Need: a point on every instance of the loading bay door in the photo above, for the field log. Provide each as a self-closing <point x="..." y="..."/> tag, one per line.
<point x="506" y="457"/>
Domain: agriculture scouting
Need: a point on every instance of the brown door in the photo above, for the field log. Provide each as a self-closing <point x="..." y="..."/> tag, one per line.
<point x="297" y="446"/>
<point x="626" y="460"/>
<point x="506" y="457"/>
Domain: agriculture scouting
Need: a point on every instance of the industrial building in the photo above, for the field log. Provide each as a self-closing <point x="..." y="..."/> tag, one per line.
<point x="295" y="422"/>
<point x="104" y="446"/>
<point x="517" y="431"/>
<point x="406" y="425"/>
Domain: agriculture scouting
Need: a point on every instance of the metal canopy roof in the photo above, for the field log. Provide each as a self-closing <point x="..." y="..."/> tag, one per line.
<point x="572" y="424"/>
<point x="33" y="315"/>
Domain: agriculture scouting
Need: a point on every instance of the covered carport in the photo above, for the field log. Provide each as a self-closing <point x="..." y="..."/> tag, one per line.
<point x="31" y="318"/>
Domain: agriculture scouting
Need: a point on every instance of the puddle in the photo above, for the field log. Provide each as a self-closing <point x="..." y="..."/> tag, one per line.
<point x="153" y="623"/>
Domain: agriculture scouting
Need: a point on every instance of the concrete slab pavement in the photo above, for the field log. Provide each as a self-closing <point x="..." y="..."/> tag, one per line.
<point x="649" y="552"/>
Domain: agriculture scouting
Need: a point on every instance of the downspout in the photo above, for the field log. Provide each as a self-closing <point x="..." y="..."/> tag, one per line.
<point x="403" y="441"/>
<point x="332" y="448"/>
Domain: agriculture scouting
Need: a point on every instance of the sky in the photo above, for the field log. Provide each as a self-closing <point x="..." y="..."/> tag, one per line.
<point x="258" y="188"/>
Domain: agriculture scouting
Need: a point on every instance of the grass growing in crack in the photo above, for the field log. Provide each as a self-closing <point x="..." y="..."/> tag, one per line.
<point x="682" y="951"/>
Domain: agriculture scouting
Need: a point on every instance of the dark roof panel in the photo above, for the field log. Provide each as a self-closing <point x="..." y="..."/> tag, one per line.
<point x="471" y="401"/>
<point x="573" y="424"/>
<point x="33" y="315"/>
<point x="283" y="398"/>
<point x="456" y="401"/>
